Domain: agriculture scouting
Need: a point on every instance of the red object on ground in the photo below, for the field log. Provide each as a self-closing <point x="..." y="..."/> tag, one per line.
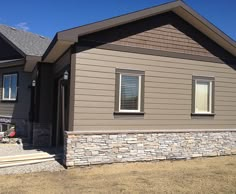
<point x="12" y="134"/>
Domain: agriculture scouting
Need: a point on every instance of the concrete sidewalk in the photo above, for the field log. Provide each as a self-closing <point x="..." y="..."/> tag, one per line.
<point x="22" y="149"/>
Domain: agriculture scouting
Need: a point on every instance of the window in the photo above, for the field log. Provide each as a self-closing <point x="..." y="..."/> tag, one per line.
<point x="129" y="91"/>
<point x="203" y="95"/>
<point x="9" y="87"/>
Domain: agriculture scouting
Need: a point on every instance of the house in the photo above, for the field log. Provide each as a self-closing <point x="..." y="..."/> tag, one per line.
<point x="19" y="53"/>
<point x="151" y="85"/>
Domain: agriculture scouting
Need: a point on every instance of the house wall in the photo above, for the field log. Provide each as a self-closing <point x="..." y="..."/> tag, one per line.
<point x="18" y="111"/>
<point x="46" y="93"/>
<point x="88" y="149"/>
<point x="62" y="62"/>
<point x="167" y="130"/>
<point x="45" y="123"/>
<point x="43" y="110"/>
<point x="168" y="89"/>
<point x="168" y="78"/>
<point x="165" y="32"/>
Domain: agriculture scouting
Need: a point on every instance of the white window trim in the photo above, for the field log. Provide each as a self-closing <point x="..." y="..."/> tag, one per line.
<point x="139" y="93"/>
<point x="3" y="89"/>
<point x="210" y="97"/>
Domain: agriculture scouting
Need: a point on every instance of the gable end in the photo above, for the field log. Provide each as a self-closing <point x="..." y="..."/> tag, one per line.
<point x="7" y="52"/>
<point x="167" y="33"/>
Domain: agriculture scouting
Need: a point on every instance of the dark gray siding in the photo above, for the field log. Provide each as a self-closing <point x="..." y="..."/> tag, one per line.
<point x="19" y="110"/>
<point x="62" y="62"/>
<point x="7" y="52"/>
<point x="46" y="93"/>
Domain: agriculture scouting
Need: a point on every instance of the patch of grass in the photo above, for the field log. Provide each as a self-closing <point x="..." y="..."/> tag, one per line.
<point x="205" y="175"/>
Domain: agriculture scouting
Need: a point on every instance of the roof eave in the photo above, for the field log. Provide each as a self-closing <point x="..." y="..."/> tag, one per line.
<point x="12" y="63"/>
<point x="13" y="45"/>
<point x="70" y="36"/>
<point x="30" y="62"/>
<point x="206" y="27"/>
<point x="73" y="34"/>
<point x="56" y="49"/>
<point x="66" y="38"/>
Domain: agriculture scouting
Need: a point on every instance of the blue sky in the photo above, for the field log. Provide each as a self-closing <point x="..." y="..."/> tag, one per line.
<point x="46" y="17"/>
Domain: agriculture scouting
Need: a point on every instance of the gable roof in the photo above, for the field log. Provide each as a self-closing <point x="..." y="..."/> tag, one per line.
<point x="64" y="39"/>
<point x="26" y="43"/>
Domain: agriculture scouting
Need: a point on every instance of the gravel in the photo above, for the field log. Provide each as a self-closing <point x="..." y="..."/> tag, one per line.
<point x="18" y="149"/>
<point x="50" y="166"/>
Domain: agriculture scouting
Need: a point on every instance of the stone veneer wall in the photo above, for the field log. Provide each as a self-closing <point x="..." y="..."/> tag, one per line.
<point x="110" y="148"/>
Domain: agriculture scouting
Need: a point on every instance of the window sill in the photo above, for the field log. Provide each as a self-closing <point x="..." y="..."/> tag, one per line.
<point x="128" y="113"/>
<point x="203" y="114"/>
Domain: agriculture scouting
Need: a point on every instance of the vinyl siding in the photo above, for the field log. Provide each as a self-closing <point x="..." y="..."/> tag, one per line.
<point x="19" y="110"/>
<point x="162" y="38"/>
<point x="7" y="51"/>
<point x="168" y="89"/>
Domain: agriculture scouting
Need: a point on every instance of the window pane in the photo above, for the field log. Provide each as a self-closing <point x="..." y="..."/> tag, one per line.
<point x="129" y="92"/>
<point x="13" y="86"/>
<point x="202" y="96"/>
<point x="6" y="86"/>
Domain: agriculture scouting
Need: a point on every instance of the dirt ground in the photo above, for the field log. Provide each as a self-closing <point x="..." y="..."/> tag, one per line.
<point x="206" y="175"/>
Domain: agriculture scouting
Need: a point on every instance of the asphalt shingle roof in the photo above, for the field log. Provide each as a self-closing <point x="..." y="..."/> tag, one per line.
<point x="27" y="42"/>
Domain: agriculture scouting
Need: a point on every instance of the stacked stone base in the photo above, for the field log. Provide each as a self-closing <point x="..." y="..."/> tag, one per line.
<point x="90" y="149"/>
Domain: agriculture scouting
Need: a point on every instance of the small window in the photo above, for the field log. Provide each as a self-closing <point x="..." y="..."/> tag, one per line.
<point x="129" y="91"/>
<point x="203" y="95"/>
<point x="9" y="87"/>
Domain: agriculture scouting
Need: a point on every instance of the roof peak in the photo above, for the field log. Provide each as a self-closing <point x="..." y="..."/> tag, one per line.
<point x="23" y="31"/>
<point x="27" y="43"/>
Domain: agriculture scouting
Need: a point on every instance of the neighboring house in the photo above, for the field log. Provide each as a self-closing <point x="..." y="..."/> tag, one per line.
<point x="19" y="53"/>
<point x="154" y="84"/>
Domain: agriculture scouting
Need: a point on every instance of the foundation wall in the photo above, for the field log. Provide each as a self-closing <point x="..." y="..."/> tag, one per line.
<point x="88" y="149"/>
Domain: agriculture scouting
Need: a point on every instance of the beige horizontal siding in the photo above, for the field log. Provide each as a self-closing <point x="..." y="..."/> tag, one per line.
<point x="168" y="90"/>
<point x="141" y="60"/>
<point x="144" y="122"/>
<point x="175" y="116"/>
<point x="95" y="63"/>
<point x="103" y="110"/>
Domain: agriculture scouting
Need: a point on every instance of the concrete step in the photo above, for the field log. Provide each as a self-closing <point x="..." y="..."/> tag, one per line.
<point x="7" y="161"/>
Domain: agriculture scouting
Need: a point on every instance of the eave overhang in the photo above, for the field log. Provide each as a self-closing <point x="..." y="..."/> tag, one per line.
<point x="11" y="63"/>
<point x="30" y="62"/>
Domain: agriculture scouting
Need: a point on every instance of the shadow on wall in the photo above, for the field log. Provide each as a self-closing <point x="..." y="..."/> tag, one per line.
<point x="18" y="112"/>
